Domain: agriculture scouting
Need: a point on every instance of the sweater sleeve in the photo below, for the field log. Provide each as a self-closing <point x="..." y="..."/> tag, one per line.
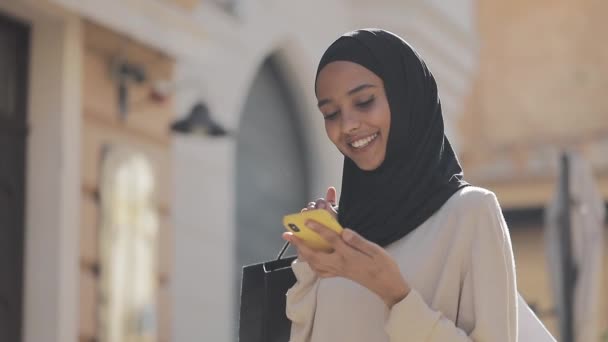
<point x="489" y="289"/>
<point x="302" y="302"/>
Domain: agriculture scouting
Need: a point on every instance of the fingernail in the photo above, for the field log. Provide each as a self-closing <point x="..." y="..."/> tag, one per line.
<point x="347" y="235"/>
<point x="285" y="236"/>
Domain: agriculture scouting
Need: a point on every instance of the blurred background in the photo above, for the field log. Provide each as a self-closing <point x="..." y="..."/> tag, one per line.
<point x="149" y="148"/>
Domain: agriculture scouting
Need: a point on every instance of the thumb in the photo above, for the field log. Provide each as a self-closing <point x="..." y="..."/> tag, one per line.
<point x="331" y="195"/>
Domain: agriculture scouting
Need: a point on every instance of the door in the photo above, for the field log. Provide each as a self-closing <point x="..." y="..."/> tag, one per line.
<point x="14" y="56"/>
<point x="271" y="169"/>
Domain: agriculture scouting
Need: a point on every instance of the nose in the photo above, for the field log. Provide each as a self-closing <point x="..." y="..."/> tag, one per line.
<point x="350" y="122"/>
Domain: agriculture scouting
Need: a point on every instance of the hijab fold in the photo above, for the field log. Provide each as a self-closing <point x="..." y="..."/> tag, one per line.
<point x="420" y="171"/>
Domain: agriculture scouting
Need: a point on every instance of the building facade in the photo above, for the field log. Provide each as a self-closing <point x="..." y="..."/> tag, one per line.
<point x="122" y="231"/>
<point x="86" y="170"/>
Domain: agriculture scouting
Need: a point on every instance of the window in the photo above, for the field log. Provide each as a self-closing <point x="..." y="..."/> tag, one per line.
<point x="128" y="251"/>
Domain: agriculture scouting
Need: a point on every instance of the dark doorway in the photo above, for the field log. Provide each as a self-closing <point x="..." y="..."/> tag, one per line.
<point x="271" y="168"/>
<point x="14" y="60"/>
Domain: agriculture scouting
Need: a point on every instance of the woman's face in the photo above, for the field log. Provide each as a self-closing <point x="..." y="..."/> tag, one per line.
<point x="356" y="111"/>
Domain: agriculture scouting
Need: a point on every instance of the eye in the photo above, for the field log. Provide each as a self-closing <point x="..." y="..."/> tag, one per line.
<point x="365" y="103"/>
<point x="330" y="116"/>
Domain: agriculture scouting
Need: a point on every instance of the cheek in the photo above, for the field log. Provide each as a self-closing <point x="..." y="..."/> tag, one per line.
<point x="383" y="118"/>
<point x="387" y="123"/>
<point x="379" y="119"/>
<point x="332" y="131"/>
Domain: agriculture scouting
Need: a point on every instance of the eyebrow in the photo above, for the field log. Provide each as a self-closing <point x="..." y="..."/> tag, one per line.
<point x="350" y="92"/>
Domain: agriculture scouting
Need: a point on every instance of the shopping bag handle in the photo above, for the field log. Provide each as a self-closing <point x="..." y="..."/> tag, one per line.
<point x="285" y="246"/>
<point x="279" y="262"/>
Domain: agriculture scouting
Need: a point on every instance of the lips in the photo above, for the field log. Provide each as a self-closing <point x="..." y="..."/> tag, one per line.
<point x="360" y="143"/>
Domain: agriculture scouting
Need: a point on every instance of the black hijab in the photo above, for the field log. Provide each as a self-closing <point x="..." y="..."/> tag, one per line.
<point x="420" y="171"/>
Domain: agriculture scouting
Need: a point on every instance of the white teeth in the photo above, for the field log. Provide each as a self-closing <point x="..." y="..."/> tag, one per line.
<point x="363" y="142"/>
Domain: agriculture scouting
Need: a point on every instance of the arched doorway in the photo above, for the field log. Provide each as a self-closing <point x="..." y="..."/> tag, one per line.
<point x="271" y="167"/>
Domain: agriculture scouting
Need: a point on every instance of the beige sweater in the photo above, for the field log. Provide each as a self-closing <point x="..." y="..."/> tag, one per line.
<point x="459" y="264"/>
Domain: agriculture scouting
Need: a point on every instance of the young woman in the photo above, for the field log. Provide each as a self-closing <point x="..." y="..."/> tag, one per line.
<point x="426" y="256"/>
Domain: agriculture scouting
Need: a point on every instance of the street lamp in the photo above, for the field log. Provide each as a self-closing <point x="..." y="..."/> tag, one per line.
<point x="200" y="122"/>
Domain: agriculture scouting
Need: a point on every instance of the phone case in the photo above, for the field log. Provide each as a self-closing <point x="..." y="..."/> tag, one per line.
<point x="295" y="223"/>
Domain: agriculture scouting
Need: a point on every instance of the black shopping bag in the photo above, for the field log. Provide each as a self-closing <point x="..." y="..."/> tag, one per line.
<point x="263" y="289"/>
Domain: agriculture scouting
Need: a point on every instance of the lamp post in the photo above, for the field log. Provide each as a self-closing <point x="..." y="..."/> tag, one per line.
<point x="568" y="268"/>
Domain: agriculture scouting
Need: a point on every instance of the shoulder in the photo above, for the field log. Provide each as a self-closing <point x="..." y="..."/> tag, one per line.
<point x="475" y="212"/>
<point x="477" y="219"/>
<point x="482" y="212"/>
<point x="472" y="199"/>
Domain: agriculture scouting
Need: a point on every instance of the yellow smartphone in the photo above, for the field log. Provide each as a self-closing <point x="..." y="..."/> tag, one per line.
<point x="295" y="223"/>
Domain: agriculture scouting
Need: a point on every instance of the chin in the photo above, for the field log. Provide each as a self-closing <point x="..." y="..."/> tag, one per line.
<point x="368" y="166"/>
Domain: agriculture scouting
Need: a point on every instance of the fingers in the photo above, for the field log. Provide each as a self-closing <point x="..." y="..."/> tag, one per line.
<point x="333" y="238"/>
<point x="322" y="203"/>
<point x="304" y="252"/>
<point x="296" y="243"/>
<point x="329" y="202"/>
<point x="299" y="244"/>
<point x="356" y="241"/>
<point x="331" y="195"/>
<point x="324" y="264"/>
<point x="289" y="237"/>
<point x="309" y="206"/>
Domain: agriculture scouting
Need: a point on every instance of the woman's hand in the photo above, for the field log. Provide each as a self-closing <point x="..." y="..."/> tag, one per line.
<point x="355" y="258"/>
<point x="328" y="203"/>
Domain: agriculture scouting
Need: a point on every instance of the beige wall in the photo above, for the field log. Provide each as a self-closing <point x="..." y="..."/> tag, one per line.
<point x="145" y="130"/>
<point x="187" y="4"/>
<point x="541" y="85"/>
<point x="542" y="70"/>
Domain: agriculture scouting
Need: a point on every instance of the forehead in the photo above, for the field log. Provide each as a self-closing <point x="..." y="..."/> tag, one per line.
<point x="342" y="76"/>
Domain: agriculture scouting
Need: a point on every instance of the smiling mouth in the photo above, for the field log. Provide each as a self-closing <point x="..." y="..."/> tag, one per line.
<point x="361" y="143"/>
